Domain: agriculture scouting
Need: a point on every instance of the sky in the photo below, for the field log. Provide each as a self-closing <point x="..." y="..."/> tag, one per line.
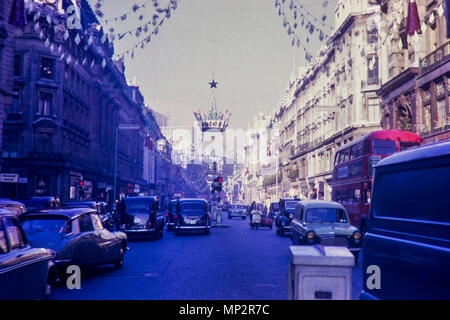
<point x="243" y="42"/>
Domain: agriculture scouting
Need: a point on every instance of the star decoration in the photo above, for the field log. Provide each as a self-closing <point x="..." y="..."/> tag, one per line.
<point x="213" y="84"/>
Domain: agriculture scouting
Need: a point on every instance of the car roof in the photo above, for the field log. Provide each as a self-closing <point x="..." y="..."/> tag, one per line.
<point x="5" y="212"/>
<point x="193" y="199"/>
<point x="9" y="201"/>
<point x="307" y="204"/>
<point x="420" y="153"/>
<point x="67" y="212"/>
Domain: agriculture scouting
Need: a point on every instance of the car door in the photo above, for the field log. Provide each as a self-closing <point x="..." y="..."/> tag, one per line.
<point x="23" y="270"/>
<point x="87" y="248"/>
<point x="109" y="242"/>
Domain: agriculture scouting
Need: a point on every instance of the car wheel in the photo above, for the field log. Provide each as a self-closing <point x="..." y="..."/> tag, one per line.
<point x="207" y="231"/>
<point x="362" y="227"/>
<point x="177" y="231"/>
<point x="295" y="239"/>
<point x="281" y="232"/>
<point x="118" y="264"/>
<point x="243" y="218"/>
<point x="161" y="234"/>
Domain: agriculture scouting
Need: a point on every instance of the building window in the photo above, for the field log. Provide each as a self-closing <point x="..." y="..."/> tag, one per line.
<point x="16" y="105"/>
<point x="10" y="144"/>
<point x="441" y="114"/>
<point x="372" y="34"/>
<point x="373" y="107"/>
<point x="18" y="68"/>
<point x="45" y="103"/>
<point x="372" y="74"/>
<point x="47" y="68"/>
<point x="43" y="142"/>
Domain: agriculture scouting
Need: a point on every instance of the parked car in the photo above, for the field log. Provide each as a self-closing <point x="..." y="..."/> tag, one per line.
<point x="273" y="209"/>
<point x="237" y="210"/>
<point x="41" y="203"/>
<point x="25" y="272"/>
<point x="140" y="217"/>
<point x="170" y="215"/>
<point x="285" y="215"/>
<point x="14" y="206"/>
<point x="106" y="216"/>
<point x="326" y="223"/>
<point x="408" y="235"/>
<point x="192" y="215"/>
<point x="78" y="237"/>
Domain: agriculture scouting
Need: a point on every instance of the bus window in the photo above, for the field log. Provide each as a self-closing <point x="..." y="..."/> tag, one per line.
<point x="350" y="195"/>
<point x="366" y="147"/>
<point x="384" y="146"/>
<point x="408" y="144"/>
<point x="353" y="154"/>
<point x="336" y="158"/>
<point x="359" y="149"/>
<point x="366" y="196"/>
<point x="346" y="153"/>
<point x="357" y="196"/>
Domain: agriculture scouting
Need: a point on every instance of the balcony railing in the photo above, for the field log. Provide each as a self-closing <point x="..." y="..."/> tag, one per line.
<point x="434" y="58"/>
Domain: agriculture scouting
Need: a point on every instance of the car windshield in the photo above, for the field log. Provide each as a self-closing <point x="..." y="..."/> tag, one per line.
<point x="320" y="215"/>
<point x="384" y="146"/>
<point x="275" y="206"/>
<point x="290" y="205"/>
<point x="43" y="224"/>
<point x="192" y="206"/>
<point x="139" y="206"/>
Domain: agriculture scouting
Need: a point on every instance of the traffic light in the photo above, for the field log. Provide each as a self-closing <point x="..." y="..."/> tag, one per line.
<point x="219" y="184"/>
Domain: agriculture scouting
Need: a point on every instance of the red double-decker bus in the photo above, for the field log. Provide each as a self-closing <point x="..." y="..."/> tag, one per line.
<point x="353" y="169"/>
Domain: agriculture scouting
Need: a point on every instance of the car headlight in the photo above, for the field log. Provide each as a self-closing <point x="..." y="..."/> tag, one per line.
<point x="291" y="216"/>
<point x="310" y="235"/>
<point x="357" y="235"/>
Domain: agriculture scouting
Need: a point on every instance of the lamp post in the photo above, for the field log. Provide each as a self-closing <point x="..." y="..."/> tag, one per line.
<point x="120" y="127"/>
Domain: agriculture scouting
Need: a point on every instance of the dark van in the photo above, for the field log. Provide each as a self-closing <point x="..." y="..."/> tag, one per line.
<point x="406" y="251"/>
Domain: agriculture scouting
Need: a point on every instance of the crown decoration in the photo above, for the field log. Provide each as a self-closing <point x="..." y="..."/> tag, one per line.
<point x="213" y="120"/>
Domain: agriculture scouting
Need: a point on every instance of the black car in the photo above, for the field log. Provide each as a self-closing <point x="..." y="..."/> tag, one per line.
<point x="107" y="217"/>
<point x="285" y="215"/>
<point x="170" y="215"/>
<point x="140" y="217"/>
<point x="77" y="236"/>
<point x="192" y="215"/>
<point x="41" y="203"/>
<point x="25" y="272"/>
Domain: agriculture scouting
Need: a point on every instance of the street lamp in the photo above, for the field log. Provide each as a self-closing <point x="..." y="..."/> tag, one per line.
<point x="120" y="127"/>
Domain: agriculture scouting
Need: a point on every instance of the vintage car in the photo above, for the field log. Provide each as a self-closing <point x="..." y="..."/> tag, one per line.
<point x="25" y="272"/>
<point x="170" y="215"/>
<point x="325" y="223"/>
<point x="140" y="217"/>
<point x="237" y="210"/>
<point x="285" y="215"/>
<point x="14" y="206"/>
<point x="192" y="215"/>
<point x="408" y="234"/>
<point x="77" y="235"/>
<point x="41" y="203"/>
<point x="106" y="216"/>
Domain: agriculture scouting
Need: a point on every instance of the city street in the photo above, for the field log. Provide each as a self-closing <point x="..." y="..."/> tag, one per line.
<point x="231" y="263"/>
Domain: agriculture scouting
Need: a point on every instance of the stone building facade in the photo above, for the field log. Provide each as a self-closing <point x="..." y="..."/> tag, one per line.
<point x="6" y="60"/>
<point x="333" y="102"/>
<point x="415" y="91"/>
<point x="69" y="98"/>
